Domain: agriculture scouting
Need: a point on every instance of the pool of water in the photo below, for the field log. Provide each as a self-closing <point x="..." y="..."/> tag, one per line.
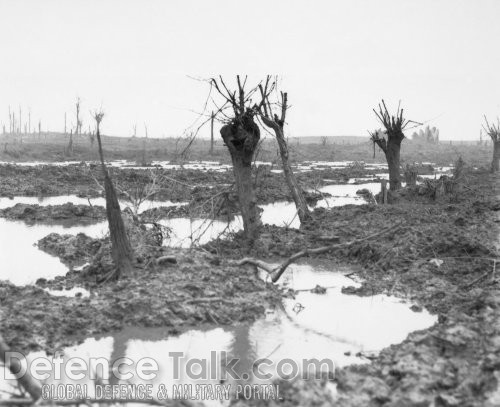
<point x="71" y="292"/>
<point x="23" y="263"/>
<point x="331" y="326"/>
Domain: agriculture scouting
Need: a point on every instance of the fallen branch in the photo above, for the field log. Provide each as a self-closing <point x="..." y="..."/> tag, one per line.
<point x="276" y="272"/>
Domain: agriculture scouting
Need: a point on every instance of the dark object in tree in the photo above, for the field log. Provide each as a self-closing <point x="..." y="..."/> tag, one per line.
<point x="241" y="136"/>
<point x="32" y="387"/>
<point x="390" y="140"/>
<point x="121" y="251"/>
<point x="277" y="123"/>
<point x="493" y="131"/>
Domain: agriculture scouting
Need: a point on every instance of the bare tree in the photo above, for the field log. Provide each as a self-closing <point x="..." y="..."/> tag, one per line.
<point x="493" y="130"/>
<point x="69" y="148"/>
<point x="10" y="121"/>
<point x="212" y="118"/>
<point x="91" y="138"/>
<point x="241" y="135"/>
<point x="121" y="250"/>
<point x="78" y="129"/>
<point x="277" y="124"/>
<point x="141" y="191"/>
<point x="144" y="161"/>
<point x="390" y="140"/>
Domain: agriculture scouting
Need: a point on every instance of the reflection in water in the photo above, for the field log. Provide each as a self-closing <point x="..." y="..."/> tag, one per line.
<point x="23" y="263"/>
<point x="331" y="326"/>
<point x="194" y="345"/>
<point x="90" y="348"/>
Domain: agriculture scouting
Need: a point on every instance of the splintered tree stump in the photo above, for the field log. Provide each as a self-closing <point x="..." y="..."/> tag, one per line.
<point x="121" y="250"/>
<point x="383" y="194"/>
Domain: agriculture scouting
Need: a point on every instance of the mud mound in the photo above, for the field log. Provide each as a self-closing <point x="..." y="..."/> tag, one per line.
<point x="72" y="250"/>
<point x="54" y="213"/>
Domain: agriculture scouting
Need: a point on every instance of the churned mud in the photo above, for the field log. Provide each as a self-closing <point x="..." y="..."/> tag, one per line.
<point x="54" y="213"/>
<point x="444" y="258"/>
<point x="183" y="289"/>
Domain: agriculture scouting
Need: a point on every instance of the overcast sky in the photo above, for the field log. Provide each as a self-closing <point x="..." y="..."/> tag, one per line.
<point x="336" y="59"/>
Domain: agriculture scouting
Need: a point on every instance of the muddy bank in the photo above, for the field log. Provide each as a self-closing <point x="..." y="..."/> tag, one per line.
<point x="172" y="288"/>
<point x="55" y="213"/>
<point x="188" y="293"/>
<point x="443" y="258"/>
<point x="71" y="250"/>
<point x="208" y="193"/>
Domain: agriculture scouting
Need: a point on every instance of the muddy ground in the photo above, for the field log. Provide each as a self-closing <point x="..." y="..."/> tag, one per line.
<point x="53" y="147"/>
<point x="442" y="257"/>
<point x="206" y="193"/>
<point x="83" y="214"/>
<point x="186" y="290"/>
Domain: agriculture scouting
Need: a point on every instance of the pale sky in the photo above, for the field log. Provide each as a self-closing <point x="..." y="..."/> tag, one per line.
<point x="336" y="59"/>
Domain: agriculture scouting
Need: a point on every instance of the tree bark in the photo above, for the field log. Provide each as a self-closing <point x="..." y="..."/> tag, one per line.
<point x="495" y="163"/>
<point x="392" y="155"/>
<point x="241" y="138"/>
<point x="291" y="180"/>
<point x="121" y="250"/>
<point x="212" y="134"/>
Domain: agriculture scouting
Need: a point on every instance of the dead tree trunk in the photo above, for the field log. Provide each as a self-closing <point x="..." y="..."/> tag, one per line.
<point x="212" y="134"/>
<point x="411" y="175"/>
<point x="69" y="150"/>
<point x="241" y="138"/>
<point x="392" y="155"/>
<point x="383" y="192"/>
<point x="390" y="140"/>
<point x="495" y="164"/>
<point x="493" y="130"/>
<point x="121" y="250"/>
<point x="78" y="129"/>
<point x="277" y="125"/>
